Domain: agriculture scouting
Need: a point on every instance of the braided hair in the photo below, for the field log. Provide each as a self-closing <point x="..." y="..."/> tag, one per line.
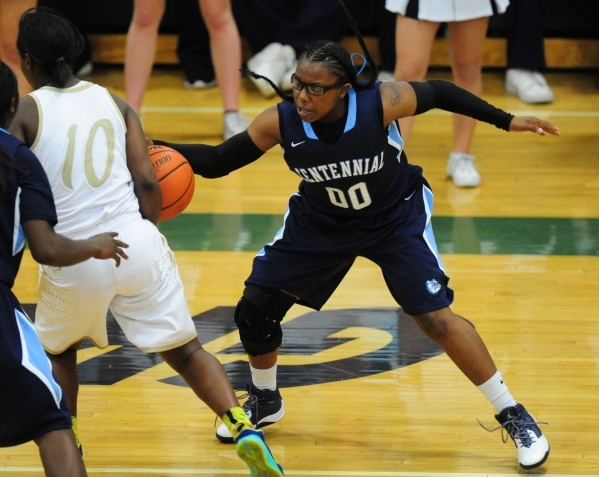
<point x="9" y="91"/>
<point x="51" y="41"/>
<point x="335" y="57"/>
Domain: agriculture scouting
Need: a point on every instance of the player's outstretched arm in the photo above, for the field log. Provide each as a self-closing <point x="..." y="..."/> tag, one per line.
<point x="407" y="99"/>
<point x="49" y="248"/>
<point x="236" y="152"/>
<point x="532" y="124"/>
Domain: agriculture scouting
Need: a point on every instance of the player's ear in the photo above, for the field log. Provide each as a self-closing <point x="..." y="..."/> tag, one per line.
<point x="343" y="90"/>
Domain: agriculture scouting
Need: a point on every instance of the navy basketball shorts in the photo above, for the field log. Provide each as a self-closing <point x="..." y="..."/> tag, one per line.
<point x="311" y="254"/>
<point x="31" y="401"/>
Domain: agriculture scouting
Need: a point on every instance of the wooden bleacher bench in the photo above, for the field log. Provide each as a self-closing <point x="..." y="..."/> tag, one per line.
<point x="559" y="52"/>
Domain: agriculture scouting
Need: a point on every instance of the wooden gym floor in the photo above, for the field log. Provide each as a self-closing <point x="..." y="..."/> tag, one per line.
<point x="365" y="393"/>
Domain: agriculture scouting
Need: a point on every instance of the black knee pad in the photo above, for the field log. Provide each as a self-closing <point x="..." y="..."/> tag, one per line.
<point x="258" y="316"/>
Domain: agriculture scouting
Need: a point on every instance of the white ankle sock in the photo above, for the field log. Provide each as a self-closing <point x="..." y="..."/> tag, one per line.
<point x="264" y="378"/>
<point x="497" y="392"/>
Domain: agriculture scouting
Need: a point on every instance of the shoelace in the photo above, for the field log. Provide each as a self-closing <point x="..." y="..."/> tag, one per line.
<point x="252" y="401"/>
<point x="515" y="428"/>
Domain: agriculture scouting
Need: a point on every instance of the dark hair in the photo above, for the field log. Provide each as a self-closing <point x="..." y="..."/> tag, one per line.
<point x="335" y="57"/>
<point x="9" y="91"/>
<point x="51" y="41"/>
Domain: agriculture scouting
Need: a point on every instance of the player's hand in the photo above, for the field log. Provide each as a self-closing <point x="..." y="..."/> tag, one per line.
<point x="532" y="124"/>
<point x="109" y="247"/>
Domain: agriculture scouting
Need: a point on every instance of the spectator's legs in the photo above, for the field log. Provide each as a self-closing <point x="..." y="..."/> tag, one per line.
<point x="466" y="40"/>
<point x="141" y="48"/>
<point x="525" y="47"/>
<point x="257" y="20"/>
<point x="317" y="20"/>
<point x="386" y="21"/>
<point x="225" y="46"/>
<point x="193" y="48"/>
<point x="526" y="52"/>
<point x="413" y="45"/>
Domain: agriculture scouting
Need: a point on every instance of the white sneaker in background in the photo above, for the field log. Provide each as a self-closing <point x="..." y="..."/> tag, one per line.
<point x="273" y="62"/>
<point x="461" y="168"/>
<point x="85" y="70"/>
<point x="233" y="123"/>
<point x="529" y="86"/>
<point x="200" y="84"/>
<point x="285" y="83"/>
<point x="386" y="76"/>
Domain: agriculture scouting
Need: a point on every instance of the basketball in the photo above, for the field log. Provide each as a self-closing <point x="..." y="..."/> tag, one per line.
<point x="176" y="178"/>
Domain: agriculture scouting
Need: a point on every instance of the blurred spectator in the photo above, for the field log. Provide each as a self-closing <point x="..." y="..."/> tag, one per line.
<point x="225" y="47"/>
<point x="277" y="30"/>
<point x="526" y="52"/>
<point x="417" y="25"/>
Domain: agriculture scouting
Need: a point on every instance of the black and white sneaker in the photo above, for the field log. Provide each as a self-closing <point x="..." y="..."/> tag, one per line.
<point x="532" y="446"/>
<point x="263" y="408"/>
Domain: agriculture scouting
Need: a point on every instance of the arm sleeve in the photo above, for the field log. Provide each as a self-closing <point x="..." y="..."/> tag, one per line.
<point x="449" y="97"/>
<point x="218" y="161"/>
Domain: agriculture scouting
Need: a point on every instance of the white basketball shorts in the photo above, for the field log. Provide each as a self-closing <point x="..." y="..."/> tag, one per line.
<point x="145" y="295"/>
<point x="446" y="10"/>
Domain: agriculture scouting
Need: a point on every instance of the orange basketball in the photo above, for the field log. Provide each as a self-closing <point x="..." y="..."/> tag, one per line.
<point x="176" y="179"/>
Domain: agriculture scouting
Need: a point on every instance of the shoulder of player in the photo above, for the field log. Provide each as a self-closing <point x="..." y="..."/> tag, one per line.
<point x="121" y="104"/>
<point x="264" y="130"/>
<point x="26" y="120"/>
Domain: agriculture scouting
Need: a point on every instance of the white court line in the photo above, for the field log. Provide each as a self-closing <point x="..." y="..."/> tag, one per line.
<point x="324" y="473"/>
<point x="255" y="110"/>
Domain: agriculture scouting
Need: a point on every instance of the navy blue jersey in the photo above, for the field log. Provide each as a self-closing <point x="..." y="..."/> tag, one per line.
<point x="33" y="404"/>
<point x="27" y="196"/>
<point x="364" y="173"/>
<point x="358" y="197"/>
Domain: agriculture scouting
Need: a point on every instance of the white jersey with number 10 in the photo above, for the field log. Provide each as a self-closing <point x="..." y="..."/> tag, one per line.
<point x="84" y="156"/>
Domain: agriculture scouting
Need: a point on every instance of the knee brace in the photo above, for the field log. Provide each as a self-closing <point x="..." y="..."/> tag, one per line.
<point x="258" y="316"/>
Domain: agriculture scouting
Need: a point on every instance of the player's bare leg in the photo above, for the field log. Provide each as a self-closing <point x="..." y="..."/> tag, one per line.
<point x="460" y="341"/>
<point x="59" y="454"/>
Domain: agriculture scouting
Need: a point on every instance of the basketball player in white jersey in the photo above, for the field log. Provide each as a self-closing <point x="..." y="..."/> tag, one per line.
<point x="93" y="149"/>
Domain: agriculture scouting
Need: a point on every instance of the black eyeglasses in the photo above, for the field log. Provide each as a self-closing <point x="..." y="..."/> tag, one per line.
<point x="311" y="88"/>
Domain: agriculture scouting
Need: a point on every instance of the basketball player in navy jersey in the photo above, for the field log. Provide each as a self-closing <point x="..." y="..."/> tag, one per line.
<point x="32" y="404"/>
<point x="358" y="196"/>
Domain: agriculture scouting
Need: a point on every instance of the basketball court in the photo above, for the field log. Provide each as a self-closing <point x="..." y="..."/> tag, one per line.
<point x="365" y="392"/>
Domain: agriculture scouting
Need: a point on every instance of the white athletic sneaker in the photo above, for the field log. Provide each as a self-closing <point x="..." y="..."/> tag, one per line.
<point x="85" y="70"/>
<point x="532" y="446"/>
<point x="529" y="86"/>
<point x="273" y="62"/>
<point x="285" y="83"/>
<point x="386" y="76"/>
<point x="461" y="168"/>
<point x="200" y="84"/>
<point x="234" y="122"/>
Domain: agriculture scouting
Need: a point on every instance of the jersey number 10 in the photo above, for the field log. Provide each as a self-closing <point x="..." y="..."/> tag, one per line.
<point x="88" y="162"/>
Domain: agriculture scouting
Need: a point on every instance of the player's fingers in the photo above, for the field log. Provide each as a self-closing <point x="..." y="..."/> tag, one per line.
<point x="122" y="253"/>
<point x="118" y="243"/>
